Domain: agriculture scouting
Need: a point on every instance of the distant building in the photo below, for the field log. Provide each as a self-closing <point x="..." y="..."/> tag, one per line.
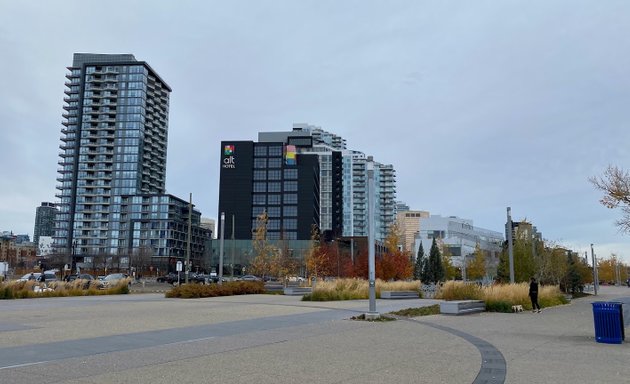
<point x="209" y="224"/>
<point x="44" y="221"/>
<point x="17" y="255"/>
<point x="21" y="239"/>
<point x="45" y="246"/>
<point x="459" y="238"/>
<point x="525" y="231"/>
<point x="401" y="206"/>
<point x="409" y="226"/>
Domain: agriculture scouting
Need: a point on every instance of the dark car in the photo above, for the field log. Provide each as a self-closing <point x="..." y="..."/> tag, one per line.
<point x="199" y="278"/>
<point x="81" y="276"/>
<point x="169" y="278"/>
<point x="86" y="277"/>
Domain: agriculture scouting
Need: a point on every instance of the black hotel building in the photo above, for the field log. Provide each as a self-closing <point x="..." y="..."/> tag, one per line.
<point x="272" y="177"/>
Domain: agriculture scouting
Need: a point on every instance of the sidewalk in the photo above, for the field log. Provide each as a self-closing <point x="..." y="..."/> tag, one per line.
<point x="280" y="339"/>
<point x="555" y="346"/>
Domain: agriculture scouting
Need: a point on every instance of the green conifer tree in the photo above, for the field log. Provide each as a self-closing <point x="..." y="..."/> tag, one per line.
<point x="417" y="269"/>
<point x="435" y="263"/>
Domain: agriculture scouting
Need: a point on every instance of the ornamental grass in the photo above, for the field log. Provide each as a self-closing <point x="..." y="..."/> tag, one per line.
<point x="197" y="291"/>
<point x="356" y="289"/>
<point x="32" y="289"/>
<point x="501" y="297"/>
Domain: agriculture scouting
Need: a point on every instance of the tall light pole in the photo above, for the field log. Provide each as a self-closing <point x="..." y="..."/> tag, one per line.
<point x="73" y="262"/>
<point x="187" y="270"/>
<point x="508" y="231"/>
<point x="595" y="274"/>
<point x="372" y="314"/>
<point x="232" y="253"/>
<point x="221" y="248"/>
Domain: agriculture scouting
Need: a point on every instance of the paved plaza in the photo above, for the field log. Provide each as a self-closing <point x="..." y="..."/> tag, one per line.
<point x="146" y="338"/>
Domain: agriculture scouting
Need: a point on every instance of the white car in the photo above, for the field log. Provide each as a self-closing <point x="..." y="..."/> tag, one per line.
<point x="250" y="278"/>
<point x="112" y="279"/>
<point x="36" y="276"/>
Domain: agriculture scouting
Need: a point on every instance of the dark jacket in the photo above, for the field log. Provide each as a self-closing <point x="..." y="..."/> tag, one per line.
<point x="533" y="288"/>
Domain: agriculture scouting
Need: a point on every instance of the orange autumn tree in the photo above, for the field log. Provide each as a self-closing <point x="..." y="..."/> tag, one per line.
<point x="395" y="263"/>
<point x="358" y="268"/>
<point x="318" y="260"/>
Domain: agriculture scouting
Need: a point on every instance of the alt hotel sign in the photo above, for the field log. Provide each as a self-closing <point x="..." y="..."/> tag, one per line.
<point x="228" y="157"/>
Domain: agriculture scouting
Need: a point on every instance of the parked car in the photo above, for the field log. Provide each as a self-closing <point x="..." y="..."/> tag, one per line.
<point x="169" y="278"/>
<point x="36" y="276"/>
<point x="113" y="279"/>
<point x="88" y="280"/>
<point x="199" y="278"/>
<point x="81" y="276"/>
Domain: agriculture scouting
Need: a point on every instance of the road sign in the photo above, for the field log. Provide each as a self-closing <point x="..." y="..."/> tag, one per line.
<point x="179" y="266"/>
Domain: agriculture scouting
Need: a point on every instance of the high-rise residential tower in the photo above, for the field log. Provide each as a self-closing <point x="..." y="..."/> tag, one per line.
<point x="113" y="161"/>
<point x="44" y="221"/>
<point x="355" y="196"/>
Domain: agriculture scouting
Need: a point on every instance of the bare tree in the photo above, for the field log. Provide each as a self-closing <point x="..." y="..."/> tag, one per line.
<point x="615" y="183"/>
<point x="100" y="263"/>
<point x="263" y="251"/>
<point x="141" y="259"/>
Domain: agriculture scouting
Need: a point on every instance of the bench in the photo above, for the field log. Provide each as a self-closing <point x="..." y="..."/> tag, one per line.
<point x="462" y="307"/>
<point x="400" y="295"/>
<point x="297" y="291"/>
<point x="274" y="287"/>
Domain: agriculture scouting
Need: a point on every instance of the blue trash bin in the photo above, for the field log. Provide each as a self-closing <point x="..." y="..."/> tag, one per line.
<point x="608" y="318"/>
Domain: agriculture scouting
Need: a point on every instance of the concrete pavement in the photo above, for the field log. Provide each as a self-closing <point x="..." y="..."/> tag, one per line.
<point x="279" y="339"/>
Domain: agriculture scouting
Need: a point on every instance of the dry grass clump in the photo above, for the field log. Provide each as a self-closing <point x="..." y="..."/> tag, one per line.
<point x="457" y="290"/>
<point x="27" y="289"/>
<point x="356" y="289"/>
<point x="501" y="297"/>
<point x="196" y="291"/>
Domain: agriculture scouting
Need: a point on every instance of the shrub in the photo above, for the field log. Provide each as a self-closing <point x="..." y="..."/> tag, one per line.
<point x="498" y="306"/>
<point x="196" y="291"/>
<point x="415" y="312"/>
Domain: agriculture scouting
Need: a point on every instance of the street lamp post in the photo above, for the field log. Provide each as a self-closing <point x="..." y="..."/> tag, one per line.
<point x="372" y="314"/>
<point x="221" y="248"/>
<point x="510" y="243"/>
<point x="187" y="270"/>
<point x="73" y="262"/>
<point x="595" y="274"/>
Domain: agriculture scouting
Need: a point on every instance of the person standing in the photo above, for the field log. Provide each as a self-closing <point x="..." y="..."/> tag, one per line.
<point x="42" y="279"/>
<point x="533" y="294"/>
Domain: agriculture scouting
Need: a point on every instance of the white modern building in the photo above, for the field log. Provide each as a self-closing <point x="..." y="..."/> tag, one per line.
<point x="460" y="236"/>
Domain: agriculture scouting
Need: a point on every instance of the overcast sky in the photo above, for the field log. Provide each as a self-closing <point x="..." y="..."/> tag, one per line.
<point x="479" y="105"/>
